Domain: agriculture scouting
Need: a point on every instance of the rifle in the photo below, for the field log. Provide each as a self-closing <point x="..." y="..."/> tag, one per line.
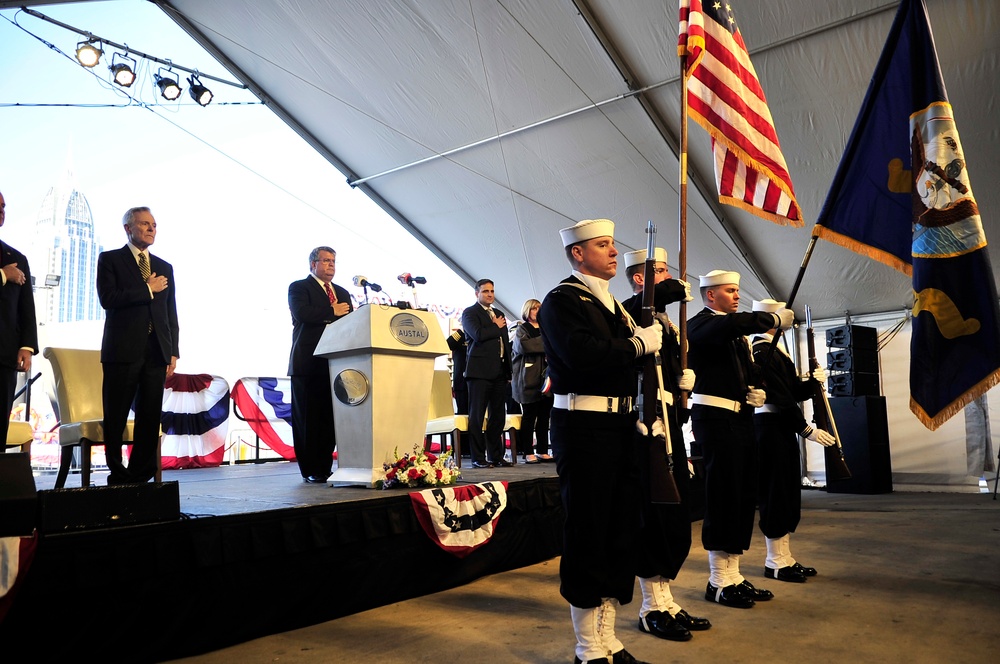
<point x="662" y="487"/>
<point x="836" y="466"/>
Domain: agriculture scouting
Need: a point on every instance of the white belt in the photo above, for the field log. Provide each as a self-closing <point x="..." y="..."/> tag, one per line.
<point x="717" y="402"/>
<point x="595" y="404"/>
<point x="766" y="408"/>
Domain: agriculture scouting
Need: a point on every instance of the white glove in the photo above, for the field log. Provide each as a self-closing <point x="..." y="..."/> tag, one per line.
<point x="785" y="318"/>
<point x="686" y="380"/>
<point x="756" y="397"/>
<point x="651" y="337"/>
<point x="657" y="428"/>
<point x="820" y="436"/>
<point x="687" y="289"/>
<point x="819" y="373"/>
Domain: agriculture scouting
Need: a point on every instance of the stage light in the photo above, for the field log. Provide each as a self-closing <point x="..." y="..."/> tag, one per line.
<point x="88" y="53"/>
<point x="199" y="92"/>
<point x="123" y="73"/>
<point x="170" y="89"/>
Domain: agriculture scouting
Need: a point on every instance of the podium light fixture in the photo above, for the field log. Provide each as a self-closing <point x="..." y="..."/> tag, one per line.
<point x="88" y="53"/>
<point x="199" y="92"/>
<point x="52" y="280"/>
<point x="170" y="89"/>
<point x="122" y="71"/>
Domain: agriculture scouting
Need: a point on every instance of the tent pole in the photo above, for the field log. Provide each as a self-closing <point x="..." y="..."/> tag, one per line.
<point x="682" y="220"/>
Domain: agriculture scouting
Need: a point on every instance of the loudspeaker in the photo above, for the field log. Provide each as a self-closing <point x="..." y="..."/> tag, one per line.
<point x="18" y="497"/>
<point x="852" y="336"/>
<point x="858" y="360"/>
<point x="64" y="510"/>
<point x="853" y="385"/>
<point x="863" y="426"/>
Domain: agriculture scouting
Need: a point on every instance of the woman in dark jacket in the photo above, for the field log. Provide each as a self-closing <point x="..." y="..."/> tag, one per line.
<point x="527" y="384"/>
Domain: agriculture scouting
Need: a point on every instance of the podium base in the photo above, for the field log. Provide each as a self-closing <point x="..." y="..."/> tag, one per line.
<point x="355" y="477"/>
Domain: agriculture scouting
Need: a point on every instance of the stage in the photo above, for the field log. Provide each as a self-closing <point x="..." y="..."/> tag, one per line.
<point x="255" y="552"/>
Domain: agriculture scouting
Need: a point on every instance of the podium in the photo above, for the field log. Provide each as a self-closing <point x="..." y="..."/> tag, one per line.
<point x="381" y="363"/>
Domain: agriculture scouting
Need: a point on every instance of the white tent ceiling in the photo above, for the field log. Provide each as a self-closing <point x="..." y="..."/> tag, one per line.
<point x="484" y="126"/>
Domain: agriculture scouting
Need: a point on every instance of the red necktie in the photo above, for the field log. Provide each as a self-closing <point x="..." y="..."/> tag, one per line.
<point x="330" y="294"/>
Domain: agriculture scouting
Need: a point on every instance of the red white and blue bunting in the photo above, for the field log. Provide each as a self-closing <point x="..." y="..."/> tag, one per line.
<point x="195" y="421"/>
<point x="266" y="405"/>
<point x="463" y="518"/>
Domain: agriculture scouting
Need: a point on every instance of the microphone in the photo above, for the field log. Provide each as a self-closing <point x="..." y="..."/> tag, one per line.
<point x="362" y="282"/>
<point x="408" y="279"/>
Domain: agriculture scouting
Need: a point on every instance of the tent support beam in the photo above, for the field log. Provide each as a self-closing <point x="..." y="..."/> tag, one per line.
<point x="309" y="138"/>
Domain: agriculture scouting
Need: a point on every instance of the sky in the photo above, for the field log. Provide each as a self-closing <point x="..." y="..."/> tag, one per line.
<point x="238" y="197"/>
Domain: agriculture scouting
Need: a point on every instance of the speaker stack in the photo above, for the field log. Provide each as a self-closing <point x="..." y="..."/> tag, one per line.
<point x="852" y="361"/>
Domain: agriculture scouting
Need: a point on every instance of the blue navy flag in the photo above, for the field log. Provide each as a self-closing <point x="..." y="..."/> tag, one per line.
<point x="902" y="196"/>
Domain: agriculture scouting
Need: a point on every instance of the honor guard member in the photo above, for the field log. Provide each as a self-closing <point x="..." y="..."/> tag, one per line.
<point x="777" y="424"/>
<point x="592" y="345"/>
<point x="722" y="422"/>
<point x="665" y="532"/>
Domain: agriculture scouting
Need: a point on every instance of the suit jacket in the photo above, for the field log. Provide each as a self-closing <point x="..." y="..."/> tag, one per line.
<point x="311" y="313"/>
<point x="129" y="310"/>
<point x="17" y="311"/>
<point x="485" y="340"/>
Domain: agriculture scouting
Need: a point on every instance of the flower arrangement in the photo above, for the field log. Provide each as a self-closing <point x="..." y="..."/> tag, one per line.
<point x="419" y="468"/>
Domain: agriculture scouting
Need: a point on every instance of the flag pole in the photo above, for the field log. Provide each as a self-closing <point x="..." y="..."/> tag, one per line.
<point x="788" y="303"/>
<point x="682" y="222"/>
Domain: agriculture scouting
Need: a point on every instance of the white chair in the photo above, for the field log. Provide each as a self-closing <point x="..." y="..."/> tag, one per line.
<point x="441" y="418"/>
<point x="20" y="434"/>
<point x="77" y="376"/>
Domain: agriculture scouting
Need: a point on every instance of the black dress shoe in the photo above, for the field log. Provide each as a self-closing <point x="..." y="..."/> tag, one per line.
<point x="502" y="463"/>
<point x="691" y="622"/>
<point x="788" y="573"/>
<point x="479" y="464"/>
<point x="315" y="479"/>
<point x="804" y="571"/>
<point x="728" y="596"/>
<point x="662" y="625"/>
<point x="625" y="657"/>
<point x="756" y="594"/>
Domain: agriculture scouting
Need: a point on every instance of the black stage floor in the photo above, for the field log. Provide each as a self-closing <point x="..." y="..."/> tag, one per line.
<point x="255" y="552"/>
<point x="266" y="486"/>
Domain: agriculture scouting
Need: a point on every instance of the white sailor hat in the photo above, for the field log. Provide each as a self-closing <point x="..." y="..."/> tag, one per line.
<point x="768" y="305"/>
<point x="637" y="257"/>
<point x="717" y="278"/>
<point x="587" y="229"/>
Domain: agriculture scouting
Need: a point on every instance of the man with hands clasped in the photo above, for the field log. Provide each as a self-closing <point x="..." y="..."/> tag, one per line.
<point x="722" y="422"/>
<point x="778" y="422"/>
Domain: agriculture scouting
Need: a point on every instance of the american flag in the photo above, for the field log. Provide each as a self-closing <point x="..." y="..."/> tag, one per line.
<point x="725" y="97"/>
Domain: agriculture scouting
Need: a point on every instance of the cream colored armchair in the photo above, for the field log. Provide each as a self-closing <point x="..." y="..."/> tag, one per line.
<point x="442" y="420"/>
<point x="77" y="376"/>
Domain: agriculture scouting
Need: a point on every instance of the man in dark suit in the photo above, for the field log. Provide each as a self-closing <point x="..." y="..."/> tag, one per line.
<point x="140" y="346"/>
<point x="314" y="302"/>
<point x="18" y="334"/>
<point x="487" y="372"/>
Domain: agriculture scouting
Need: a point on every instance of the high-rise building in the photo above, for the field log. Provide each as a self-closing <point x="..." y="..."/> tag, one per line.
<point x="66" y="247"/>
